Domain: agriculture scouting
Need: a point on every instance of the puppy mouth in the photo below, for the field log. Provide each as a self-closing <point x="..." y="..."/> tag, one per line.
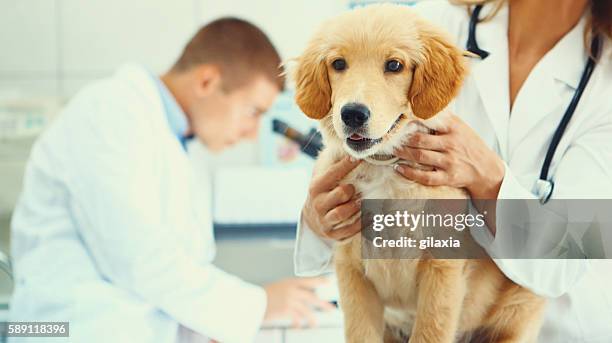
<point x="359" y="142"/>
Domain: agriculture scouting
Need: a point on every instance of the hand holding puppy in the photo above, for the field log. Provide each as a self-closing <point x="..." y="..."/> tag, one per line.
<point x="459" y="159"/>
<point x="295" y="298"/>
<point x="330" y="203"/>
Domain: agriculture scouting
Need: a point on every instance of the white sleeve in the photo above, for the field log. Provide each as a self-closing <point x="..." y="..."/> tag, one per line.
<point x="549" y="278"/>
<point x="312" y="254"/>
<point x="116" y="186"/>
<point x="592" y="152"/>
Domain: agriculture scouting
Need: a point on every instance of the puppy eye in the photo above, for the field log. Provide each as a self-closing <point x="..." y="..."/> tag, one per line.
<point x="339" y="64"/>
<point x="393" y="66"/>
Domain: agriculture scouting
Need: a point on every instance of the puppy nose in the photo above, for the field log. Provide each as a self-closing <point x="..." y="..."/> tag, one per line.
<point x="354" y="115"/>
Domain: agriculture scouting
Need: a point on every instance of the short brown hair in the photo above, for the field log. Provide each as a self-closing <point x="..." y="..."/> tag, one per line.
<point x="240" y="49"/>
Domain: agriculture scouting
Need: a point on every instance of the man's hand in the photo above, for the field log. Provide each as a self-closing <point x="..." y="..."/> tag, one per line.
<point x="330" y="203"/>
<point x="459" y="159"/>
<point x="295" y="299"/>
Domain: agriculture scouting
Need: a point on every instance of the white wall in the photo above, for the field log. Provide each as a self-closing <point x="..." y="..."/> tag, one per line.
<point x="53" y="47"/>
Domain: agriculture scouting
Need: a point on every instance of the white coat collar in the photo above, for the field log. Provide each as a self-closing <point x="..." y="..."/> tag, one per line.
<point x="547" y="91"/>
<point x="140" y="78"/>
<point x="158" y="96"/>
<point x="568" y="58"/>
<point x="541" y="93"/>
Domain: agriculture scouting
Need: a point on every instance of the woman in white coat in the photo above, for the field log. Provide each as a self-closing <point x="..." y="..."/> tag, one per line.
<point x="496" y="142"/>
<point x="112" y="233"/>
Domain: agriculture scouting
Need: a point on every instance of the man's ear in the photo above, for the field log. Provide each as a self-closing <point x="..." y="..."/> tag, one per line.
<point x="312" y="88"/>
<point x="207" y="78"/>
<point x="438" y="77"/>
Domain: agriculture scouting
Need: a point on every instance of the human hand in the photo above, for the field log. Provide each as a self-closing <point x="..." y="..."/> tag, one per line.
<point x="295" y="298"/>
<point x="458" y="157"/>
<point x="330" y="203"/>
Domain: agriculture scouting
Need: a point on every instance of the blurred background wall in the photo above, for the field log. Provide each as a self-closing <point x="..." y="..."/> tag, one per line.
<point x="53" y="47"/>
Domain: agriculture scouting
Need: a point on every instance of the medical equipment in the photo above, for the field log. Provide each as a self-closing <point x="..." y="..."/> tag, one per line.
<point x="544" y="185"/>
<point x="310" y="143"/>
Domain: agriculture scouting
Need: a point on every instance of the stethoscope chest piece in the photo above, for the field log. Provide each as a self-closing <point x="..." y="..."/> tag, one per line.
<point x="544" y="189"/>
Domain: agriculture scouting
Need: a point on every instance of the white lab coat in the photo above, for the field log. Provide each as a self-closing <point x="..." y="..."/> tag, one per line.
<point x="111" y="233"/>
<point x="580" y="291"/>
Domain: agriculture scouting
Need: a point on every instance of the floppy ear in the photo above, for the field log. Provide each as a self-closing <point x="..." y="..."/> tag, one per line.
<point x="438" y="77"/>
<point x="313" y="92"/>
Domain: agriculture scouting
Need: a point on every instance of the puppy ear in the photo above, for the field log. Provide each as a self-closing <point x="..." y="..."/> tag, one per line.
<point x="438" y="77"/>
<point x="312" y="88"/>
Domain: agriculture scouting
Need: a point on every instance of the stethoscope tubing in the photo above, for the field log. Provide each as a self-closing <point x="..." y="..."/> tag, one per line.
<point x="472" y="46"/>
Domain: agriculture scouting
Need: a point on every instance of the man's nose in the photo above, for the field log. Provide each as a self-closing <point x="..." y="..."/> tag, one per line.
<point x="354" y="115"/>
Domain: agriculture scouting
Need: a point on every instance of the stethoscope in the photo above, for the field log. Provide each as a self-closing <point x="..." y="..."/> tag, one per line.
<point x="544" y="185"/>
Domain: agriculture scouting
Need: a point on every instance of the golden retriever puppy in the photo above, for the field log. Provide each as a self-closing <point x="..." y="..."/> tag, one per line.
<point x="366" y="75"/>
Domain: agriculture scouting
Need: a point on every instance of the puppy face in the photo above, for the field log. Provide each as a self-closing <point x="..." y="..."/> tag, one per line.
<point x="368" y="73"/>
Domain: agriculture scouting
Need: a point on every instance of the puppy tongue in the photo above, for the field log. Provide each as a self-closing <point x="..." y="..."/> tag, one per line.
<point x="356" y="137"/>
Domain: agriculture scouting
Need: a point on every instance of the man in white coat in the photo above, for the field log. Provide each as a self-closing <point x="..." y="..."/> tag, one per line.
<point x="111" y="234"/>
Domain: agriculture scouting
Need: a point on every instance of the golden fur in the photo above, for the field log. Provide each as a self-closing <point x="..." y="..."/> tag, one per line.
<point x="430" y="300"/>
